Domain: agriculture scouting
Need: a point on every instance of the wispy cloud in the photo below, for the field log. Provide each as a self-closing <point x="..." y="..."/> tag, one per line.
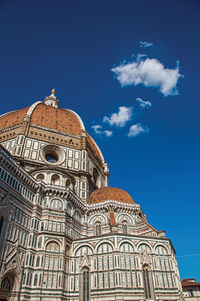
<point x="143" y="104"/>
<point x="146" y="44"/>
<point x="108" y="133"/>
<point x="98" y="130"/>
<point x="137" y="129"/>
<point x="150" y="73"/>
<point x="121" y="118"/>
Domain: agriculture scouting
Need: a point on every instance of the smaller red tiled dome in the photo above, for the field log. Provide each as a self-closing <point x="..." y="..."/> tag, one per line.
<point x="110" y="193"/>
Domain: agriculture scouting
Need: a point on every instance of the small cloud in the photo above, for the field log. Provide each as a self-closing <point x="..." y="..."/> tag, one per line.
<point x="137" y="129"/>
<point x="121" y="118"/>
<point x="108" y="133"/>
<point x="98" y="130"/>
<point x="150" y="73"/>
<point x="143" y="104"/>
<point x="146" y="44"/>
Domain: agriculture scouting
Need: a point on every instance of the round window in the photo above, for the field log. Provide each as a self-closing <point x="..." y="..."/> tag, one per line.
<point x="52" y="154"/>
<point x="51" y="158"/>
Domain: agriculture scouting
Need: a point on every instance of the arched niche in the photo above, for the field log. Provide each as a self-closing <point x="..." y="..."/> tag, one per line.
<point x="53" y="246"/>
<point x="96" y="178"/>
<point x="56" y="204"/>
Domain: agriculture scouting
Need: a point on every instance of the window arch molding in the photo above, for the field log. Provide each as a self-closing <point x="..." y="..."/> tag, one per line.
<point x="97" y="217"/>
<point x="160" y="247"/>
<point x="87" y="246"/>
<point x="127" y="242"/>
<point x="101" y="243"/>
<point x="130" y="220"/>
<point x="146" y="245"/>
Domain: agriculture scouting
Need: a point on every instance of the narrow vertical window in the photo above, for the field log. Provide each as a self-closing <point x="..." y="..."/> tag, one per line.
<point x="98" y="228"/>
<point x="85" y="285"/>
<point x="124" y="228"/>
<point x="148" y="285"/>
<point x="35" y="280"/>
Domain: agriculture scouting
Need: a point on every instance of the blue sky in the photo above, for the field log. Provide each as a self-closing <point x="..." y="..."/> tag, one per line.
<point x="91" y="53"/>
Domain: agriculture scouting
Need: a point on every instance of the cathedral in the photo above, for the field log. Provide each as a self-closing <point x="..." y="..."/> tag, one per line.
<point x="64" y="233"/>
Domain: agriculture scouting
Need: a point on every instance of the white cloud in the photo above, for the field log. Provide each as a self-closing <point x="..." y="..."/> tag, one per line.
<point x="137" y="129"/>
<point x="108" y="133"/>
<point x="150" y="73"/>
<point x="98" y="130"/>
<point x="121" y="118"/>
<point x="143" y="104"/>
<point x="146" y="44"/>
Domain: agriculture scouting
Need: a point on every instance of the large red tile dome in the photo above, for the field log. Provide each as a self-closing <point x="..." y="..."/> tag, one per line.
<point x="48" y="116"/>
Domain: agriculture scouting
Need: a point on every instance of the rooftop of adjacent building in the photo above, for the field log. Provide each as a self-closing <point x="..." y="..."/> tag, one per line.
<point x="110" y="193"/>
<point x="189" y="282"/>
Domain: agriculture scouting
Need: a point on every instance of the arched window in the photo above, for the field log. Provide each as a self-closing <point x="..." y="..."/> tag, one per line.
<point x="55" y="179"/>
<point x="85" y="285"/>
<point x="77" y="215"/>
<point x="148" y="283"/>
<point x="30" y="278"/>
<point x="69" y="208"/>
<point x="56" y="204"/>
<point x="40" y="177"/>
<point x="5" y="284"/>
<point x="98" y="228"/>
<point x="8" y="282"/>
<point x="124" y="227"/>
<point x="67" y="182"/>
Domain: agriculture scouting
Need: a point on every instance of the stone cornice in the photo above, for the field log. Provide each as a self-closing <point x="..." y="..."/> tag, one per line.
<point x="112" y="205"/>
